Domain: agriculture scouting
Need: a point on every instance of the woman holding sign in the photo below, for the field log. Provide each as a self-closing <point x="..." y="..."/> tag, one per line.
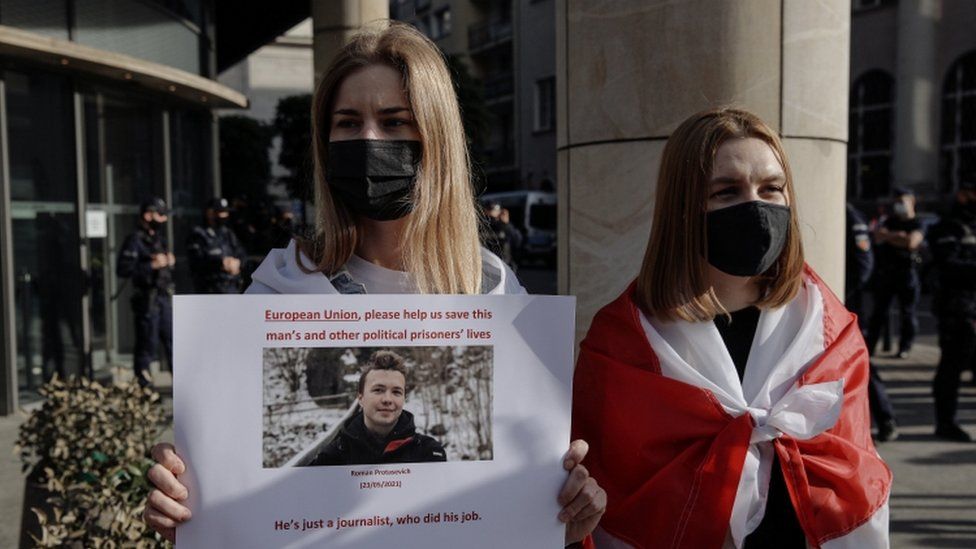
<point x="723" y="393"/>
<point x="396" y="214"/>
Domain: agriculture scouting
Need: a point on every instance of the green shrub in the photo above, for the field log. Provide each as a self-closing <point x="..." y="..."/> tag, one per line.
<point x="88" y="445"/>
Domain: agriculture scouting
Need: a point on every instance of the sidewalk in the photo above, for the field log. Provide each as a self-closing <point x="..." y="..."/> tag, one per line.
<point x="12" y="494"/>
<point x="933" y="503"/>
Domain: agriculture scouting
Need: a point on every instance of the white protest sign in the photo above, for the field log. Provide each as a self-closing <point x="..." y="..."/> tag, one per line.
<point x="266" y="404"/>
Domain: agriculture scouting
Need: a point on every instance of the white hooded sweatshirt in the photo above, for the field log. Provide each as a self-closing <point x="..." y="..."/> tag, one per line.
<point x="279" y="273"/>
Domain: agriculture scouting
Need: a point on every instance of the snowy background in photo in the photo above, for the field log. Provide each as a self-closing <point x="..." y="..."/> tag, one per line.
<point x="307" y="391"/>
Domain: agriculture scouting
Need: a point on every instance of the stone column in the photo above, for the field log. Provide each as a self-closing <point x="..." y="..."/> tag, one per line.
<point x="335" y="21"/>
<point x="916" y="146"/>
<point x="629" y="71"/>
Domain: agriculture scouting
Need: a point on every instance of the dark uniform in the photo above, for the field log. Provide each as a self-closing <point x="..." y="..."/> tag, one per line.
<point x="501" y="238"/>
<point x="152" y="291"/>
<point x="896" y="276"/>
<point x="206" y="247"/>
<point x="356" y="445"/>
<point x="860" y="264"/>
<point x="953" y="244"/>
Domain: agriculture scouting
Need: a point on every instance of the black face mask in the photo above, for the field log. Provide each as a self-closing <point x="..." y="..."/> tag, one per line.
<point x="375" y="178"/>
<point x="156" y="225"/>
<point x="746" y="239"/>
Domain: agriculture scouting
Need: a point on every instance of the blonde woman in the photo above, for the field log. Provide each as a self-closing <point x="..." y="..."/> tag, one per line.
<point x="395" y="208"/>
<point x="723" y="394"/>
<point x="395" y="214"/>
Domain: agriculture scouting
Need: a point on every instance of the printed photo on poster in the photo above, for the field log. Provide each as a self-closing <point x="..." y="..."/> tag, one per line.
<point x="456" y="439"/>
<point x="377" y="405"/>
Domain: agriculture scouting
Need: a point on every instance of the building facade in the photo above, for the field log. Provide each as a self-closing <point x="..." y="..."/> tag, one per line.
<point x="509" y="47"/>
<point x="103" y="103"/>
<point x="535" y="52"/>
<point x="912" y="97"/>
<point x="279" y="69"/>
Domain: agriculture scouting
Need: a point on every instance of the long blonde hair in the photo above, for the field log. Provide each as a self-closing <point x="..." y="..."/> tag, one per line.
<point x="440" y="243"/>
<point x="673" y="281"/>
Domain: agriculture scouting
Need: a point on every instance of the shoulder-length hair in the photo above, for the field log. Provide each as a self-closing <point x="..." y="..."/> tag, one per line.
<point x="440" y="243"/>
<point x="673" y="280"/>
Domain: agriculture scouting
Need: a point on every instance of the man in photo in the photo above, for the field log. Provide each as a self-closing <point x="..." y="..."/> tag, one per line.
<point x="381" y="431"/>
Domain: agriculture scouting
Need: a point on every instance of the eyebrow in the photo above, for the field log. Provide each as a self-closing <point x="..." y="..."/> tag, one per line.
<point x="726" y="180"/>
<point x="387" y="110"/>
<point x="381" y="386"/>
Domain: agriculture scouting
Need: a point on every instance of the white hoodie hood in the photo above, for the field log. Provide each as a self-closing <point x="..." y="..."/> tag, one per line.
<point x="279" y="273"/>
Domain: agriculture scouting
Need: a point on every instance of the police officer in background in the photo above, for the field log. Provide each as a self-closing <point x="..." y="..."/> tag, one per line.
<point x="860" y="264"/>
<point x="147" y="261"/>
<point x="498" y="234"/>
<point x="897" y="258"/>
<point x="953" y="244"/>
<point x="214" y="252"/>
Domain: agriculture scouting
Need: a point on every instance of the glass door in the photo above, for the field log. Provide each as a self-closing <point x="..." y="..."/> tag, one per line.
<point x="44" y="207"/>
<point x="124" y="166"/>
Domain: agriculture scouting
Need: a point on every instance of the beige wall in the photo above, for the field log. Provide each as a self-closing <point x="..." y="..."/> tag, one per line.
<point x="629" y="71"/>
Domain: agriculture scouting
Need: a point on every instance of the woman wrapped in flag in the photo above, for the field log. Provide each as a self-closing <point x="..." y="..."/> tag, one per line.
<point x="723" y="394"/>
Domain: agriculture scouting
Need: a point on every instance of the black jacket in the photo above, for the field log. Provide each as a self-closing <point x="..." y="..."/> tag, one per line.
<point x="206" y="249"/>
<point x="895" y="260"/>
<point x="860" y="258"/>
<point x="502" y="239"/>
<point x="953" y="244"/>
<point x="135" y="257"/>
<point x="354" y="445"/>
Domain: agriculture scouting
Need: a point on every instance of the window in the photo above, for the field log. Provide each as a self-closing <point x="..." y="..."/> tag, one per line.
<point x="139" y="30"/>
<point x="440" y="23"/>
<point x="869" y="151"/>
<point x="958" y="136"/>
<point x="545" y="104"/>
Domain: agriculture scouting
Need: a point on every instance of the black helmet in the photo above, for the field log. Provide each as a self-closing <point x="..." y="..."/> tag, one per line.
<point x="154" y="204"/>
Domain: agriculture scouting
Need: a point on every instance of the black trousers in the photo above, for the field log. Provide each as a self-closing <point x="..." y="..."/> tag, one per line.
<point x="906" y="288"/>
<point x="154" y="325"/>
<point x="881" y="409"/>
<point x="854" y="301"/>
<point x="957" y="340"/>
